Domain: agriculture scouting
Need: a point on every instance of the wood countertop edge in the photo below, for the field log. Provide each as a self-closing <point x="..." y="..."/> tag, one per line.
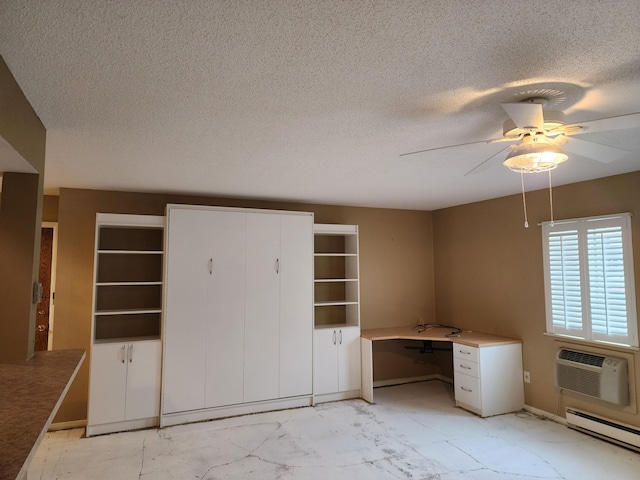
<point x="438" y="334"/>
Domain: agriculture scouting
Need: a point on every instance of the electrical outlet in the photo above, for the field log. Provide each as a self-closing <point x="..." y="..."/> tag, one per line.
<point x="527" y="377"/>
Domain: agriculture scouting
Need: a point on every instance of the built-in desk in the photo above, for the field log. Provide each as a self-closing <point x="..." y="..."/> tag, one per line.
<point x="487" y="368"/>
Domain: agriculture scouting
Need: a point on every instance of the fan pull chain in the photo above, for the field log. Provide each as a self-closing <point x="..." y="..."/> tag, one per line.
<point x="524" y="202"/>
<point x="550" y="198"/>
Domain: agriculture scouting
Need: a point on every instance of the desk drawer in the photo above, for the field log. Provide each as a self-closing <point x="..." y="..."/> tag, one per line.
<point x="468" y="390"/>
<point x="462" y="365"/>
<point x="468" y="353"/>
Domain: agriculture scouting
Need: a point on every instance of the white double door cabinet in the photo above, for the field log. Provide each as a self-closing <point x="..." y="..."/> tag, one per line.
<point x="337" y="360"/>
<point x="125" y="382"/>
<point x="238" y="317"/>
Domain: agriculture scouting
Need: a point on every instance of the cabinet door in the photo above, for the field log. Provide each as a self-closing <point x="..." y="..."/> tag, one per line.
<point x="296" y="305"/>
<point x="349" y="358"/>
<point x="143" y="380"/>
<point x="226" y="299"/>
<point x="262" y="318"/>
<point x="325" y="364"/>
<point x="186" y="293"/>
<point x="108" y="383"/>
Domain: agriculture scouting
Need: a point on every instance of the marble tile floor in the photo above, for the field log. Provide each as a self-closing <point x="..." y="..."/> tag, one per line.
<point x="412" y="432"/>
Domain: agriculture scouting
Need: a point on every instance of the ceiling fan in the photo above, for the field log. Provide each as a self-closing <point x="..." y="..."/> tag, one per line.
<point x="542" y="135"/>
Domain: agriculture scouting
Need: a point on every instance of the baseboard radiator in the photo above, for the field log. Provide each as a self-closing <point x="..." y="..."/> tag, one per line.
<point x="598" y="376"/>
<point x="619" y="433"/>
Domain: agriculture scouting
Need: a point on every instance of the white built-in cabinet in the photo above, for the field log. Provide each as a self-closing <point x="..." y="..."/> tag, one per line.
<point x="126" y="347"/>
<point x="125" y="385"/>
<point x="204" y="309"/>
<point x="337" y="370"/>
<point x="488" y="379"/>
<point x="337" y="360"/>
<point x="238" y="312"/>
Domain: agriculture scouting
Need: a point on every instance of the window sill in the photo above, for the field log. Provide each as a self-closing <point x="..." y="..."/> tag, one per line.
<point x="591" y="343"/>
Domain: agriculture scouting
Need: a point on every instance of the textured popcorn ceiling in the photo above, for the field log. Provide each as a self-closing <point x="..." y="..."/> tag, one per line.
<point x="314" y="100"/>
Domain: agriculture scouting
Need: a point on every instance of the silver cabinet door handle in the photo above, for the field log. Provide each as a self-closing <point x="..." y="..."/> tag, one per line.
<point x="211" y="266"/>
<point x="277" y="265"/>
<point x="131" y="353"/>
<point x="340" y="337"/>
<point x="334" y="337"/>
<point x="465" y="367"/>
<point x="466" y="389"/>
<point x="466" y="353"/>
<point x="124" y="353"/>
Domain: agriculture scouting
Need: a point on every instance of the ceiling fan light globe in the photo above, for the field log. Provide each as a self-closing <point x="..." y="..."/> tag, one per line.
<point x="535" y="158"/>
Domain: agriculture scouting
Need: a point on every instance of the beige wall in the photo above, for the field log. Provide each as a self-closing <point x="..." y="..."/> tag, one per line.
<point x="489" y="274"/>
<point x="19" y="124"/>
<point x="50" y="208"/>
<point x="474" y="266"/>
<point x="20" y="219"/>
<point x="396" y="267"/>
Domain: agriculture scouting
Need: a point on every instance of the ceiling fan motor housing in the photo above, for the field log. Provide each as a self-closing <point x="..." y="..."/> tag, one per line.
<point x="552" y="120"/>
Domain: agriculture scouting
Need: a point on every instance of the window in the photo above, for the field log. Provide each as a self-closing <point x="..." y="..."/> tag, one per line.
<point x="588" y="275"/>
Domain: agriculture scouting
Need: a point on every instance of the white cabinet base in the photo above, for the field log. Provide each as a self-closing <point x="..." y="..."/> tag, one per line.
<point x="488" y="380"/>
<point x="334" y="397"/>
<point x="337" y="363"/>
<point x="201" y="415"/>
<point x="124" y="390"/>
<point x="121" y="426"/>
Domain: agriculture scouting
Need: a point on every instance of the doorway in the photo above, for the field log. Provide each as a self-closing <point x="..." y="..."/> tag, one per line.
<point x="46" y="276"/>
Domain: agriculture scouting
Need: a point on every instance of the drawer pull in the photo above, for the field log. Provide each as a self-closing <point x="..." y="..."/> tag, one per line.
<point x="466" y="353"/>
<point x="466" y="389"/>
<point x="465" y="367"/>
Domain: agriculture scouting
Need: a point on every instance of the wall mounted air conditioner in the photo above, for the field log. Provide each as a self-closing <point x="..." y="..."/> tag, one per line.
<point x="597" y="376"/>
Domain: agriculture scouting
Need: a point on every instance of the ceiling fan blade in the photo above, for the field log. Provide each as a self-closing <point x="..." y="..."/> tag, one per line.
<point x="491" y="140"/>
<point x="525" y="115"/>
<point x="442" y="148"/>
<point x="488" y="163"/>
<point x="620" y="122"/>
<point x="596" y="151"/>
<point x="506" y="139"/>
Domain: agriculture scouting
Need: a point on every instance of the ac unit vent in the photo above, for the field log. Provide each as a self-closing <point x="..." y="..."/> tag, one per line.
<point x="582" y="381"/>
<point x="605" y="378"/>
<point x="581" y="357"/>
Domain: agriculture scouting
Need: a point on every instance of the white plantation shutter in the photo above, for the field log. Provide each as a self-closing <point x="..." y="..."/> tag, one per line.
<point x="564" y="277"/>
<point x="589" y="284"/>
<point x="607" y="283"/>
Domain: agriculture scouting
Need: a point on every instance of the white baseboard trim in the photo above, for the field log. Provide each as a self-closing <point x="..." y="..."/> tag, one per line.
<point x="121" y="426"/>
<point x="67" y="425"/>
<point x="334" y="397"/>
<point x="402" y="381"/>
<point x="205" y="414"/>
<point x="546" y="415"/>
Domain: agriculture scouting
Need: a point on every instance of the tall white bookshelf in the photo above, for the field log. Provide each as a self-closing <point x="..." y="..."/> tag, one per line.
<point x="126" y="345"/>
<point x="336" y="312"/>
<point x="336" y="276"/>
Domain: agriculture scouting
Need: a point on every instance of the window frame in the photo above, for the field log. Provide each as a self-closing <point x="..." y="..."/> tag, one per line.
<point x="586" y="333"/>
